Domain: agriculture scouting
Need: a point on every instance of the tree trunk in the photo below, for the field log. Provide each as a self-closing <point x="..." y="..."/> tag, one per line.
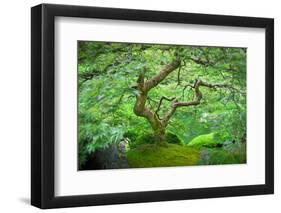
<point x="140" y="108"/>
<point x="160" y="137"/>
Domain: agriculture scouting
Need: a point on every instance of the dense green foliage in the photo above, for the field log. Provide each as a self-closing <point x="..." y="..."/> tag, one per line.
<point x="235" y="153"/>
<point x="109" y="74"/>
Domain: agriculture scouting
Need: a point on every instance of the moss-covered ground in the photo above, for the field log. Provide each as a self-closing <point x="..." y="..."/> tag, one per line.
<point x="151" y="155"/>
<point x="202" y="150"/>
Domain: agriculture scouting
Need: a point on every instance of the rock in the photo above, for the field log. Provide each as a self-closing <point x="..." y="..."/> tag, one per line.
<point x="113" y="157"/>
<point x="229" y="143"/>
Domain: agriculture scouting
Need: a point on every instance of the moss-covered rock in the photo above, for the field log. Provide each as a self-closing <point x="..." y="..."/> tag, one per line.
<point x="207" y="140"/>
<point x="151" y="155"/>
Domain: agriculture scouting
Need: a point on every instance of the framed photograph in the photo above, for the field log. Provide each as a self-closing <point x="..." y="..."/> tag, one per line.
<point x="139" y="106"/>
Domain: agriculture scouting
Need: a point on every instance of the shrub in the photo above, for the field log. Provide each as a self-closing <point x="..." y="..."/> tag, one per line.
<point x="207" y="140"/>
<point x="221" y="137"/>
<point x="232" y="154"/>
<point x="147" y="138"/>
<point x="172" y="138"/>
<point x="132" y="135"/>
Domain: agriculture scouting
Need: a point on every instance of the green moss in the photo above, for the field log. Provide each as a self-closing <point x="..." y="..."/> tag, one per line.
<point x="207" y="140"/>
<point x="150" y="155"/>
<point x="149" y="138"/>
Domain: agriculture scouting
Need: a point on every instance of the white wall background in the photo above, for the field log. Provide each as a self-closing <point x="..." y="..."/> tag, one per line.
<point x="15" y="105"/>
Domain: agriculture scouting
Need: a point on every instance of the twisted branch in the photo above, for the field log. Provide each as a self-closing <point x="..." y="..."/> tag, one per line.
<point x="196" y="101"/>
<point x="160" y="103"/>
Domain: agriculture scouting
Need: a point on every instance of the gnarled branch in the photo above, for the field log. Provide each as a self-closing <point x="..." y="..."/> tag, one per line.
<point x="160" y="103"/>
<point x="196" y="101"/>
<point x="154" y="81"/>
<point x="144" y="86"/>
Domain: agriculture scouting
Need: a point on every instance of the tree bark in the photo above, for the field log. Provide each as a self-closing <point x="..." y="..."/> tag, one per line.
<point x="140" y="108"/>
<point x="160" y="135"/>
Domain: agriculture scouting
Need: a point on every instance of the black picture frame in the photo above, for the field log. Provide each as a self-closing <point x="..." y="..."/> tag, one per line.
<point x="43" y="102"/>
